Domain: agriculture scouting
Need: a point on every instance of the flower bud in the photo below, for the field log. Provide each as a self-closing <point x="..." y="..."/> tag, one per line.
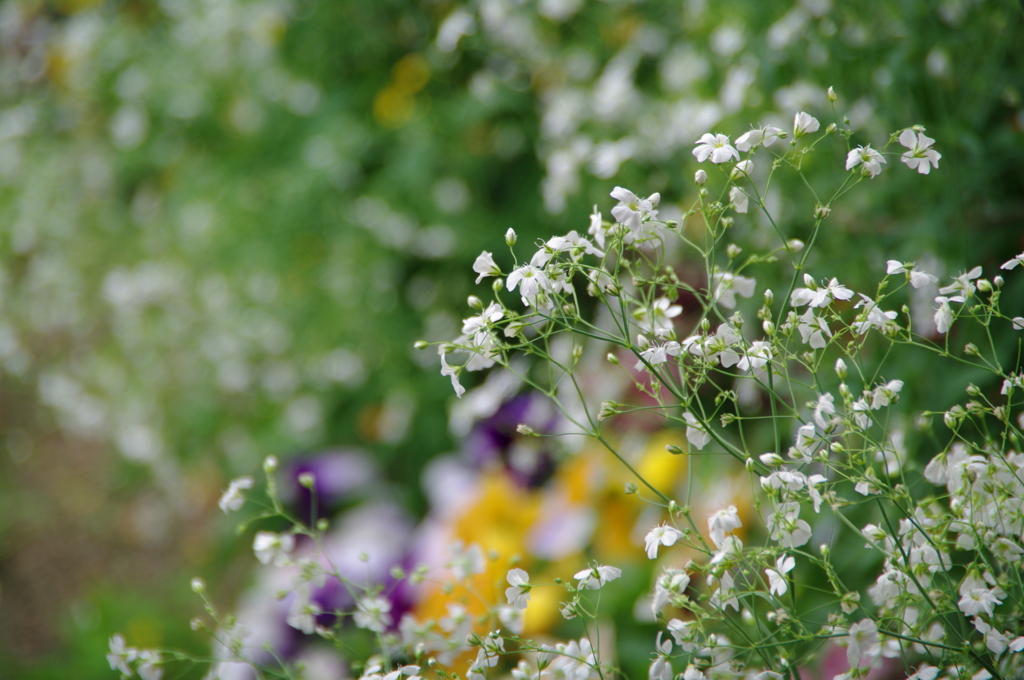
<point x="703" y="192"/>
<point x="971" y="349"/>
<point x="997" y="281"/>
<point x="769" y="297"/>
<point x="608" y="409"/>
<point x="198" y="585"/>
<point x="831" y="94"/>
<point x="270" y="464"/>
<point x="726" y="222"/>
<point x="700" y="178"/>
<point x="421" y="344"/>
<point x="474" y="302"/>
<point x="795" y="244"/>
<point x="841" y="369"/>
<point x="984" y="286"/>
<point x="973" y="390"/>
<point x="196" y="624"/>
<point x="845" y="392"/>
<point x="705" y="325"/>
<point x="750" y="465"/>
<point x="733" y="251"/>
<point x="612" y="359"/>
<point x="821" y="211"/>
<point x="673" y="449"/>
<point x="831" y="129"/>
<point x="630" y="488"/>
<point x="769" y="328"/>
<point x="771" y="459"/>
<point x="510" y="237"/>
<point x="642" y="342"/>
<point x="323" y="524"/>
<point x="525" y="430"/>
<point x="497" y="284"/>
<point x="810" y="282"/>
<point x="307" y="480"/>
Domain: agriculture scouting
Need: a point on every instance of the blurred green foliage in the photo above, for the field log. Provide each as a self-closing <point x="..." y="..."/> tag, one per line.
<point x="224" y="223"/>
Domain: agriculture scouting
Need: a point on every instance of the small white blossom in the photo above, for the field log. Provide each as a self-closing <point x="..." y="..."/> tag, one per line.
<point x="632" y="210"/>
<point x="596" y="576"/>
<point x="963" y="284"/>
<point x="270" y="547"/>
<point x="765" y="136"/>
<point x="777" y="576"/>
<point x="804" y="124"/>
<point x="716" y="147"/>
<point x="518" y="592"/>
<point x="1011" y="264"/>
<point x="978" y="601"/>
<point x="120" y="656"/>
<point x="739" y="200"/>
<point x="918" y="278"/>
<point x="921" y="156"/>
<point x="485" y="266"/>
<point x="233" y="499"/>
<point x="862" y="640"/>
<point x="944" y="314"/>
<point x="723" y="522"/>
<point x="466" y="561"/>
<point x="869" y="160"/>
<point x="726" y="285"/>
<point x="660" y="535"/>
<point x="695" y="433"/>
<point x="373" y="613"/>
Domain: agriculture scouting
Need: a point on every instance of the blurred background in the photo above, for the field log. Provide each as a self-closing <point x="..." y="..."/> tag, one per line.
<point x="223" y="224"/>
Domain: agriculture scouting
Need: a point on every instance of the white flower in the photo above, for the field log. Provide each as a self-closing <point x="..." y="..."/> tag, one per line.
<point x="518" y="592"/>
<point x="874" y="317"/>
<point x="695" y="433"/>
<point x="232" y="499"/>
<point x="631" y="209"/>
<point x="1010" y="264"/>
<point x="661" y="667"/>
<point x="574" y="243"/>
<point x="485" y="266"/>
<point x="466" y="561"/>
<point x="739" y="200"/>
<point x="671" y="582"/>
<point x="717" y="147"/>
<point x="759" y="354"/>
<point x="883" y="395"/>
<point x="660" y="535"/>
<point x="917" y="278"/>
<point x="680" y="631"/>
<point x="764" y="136"/>
<point x="777" y="576"/>
<point x="944" y="314"/>
<point x="921" y="156"/>
<point x="149" y="666"/>
<point x="723" y="522"/>
<point x="963" y="284"/>
<point x="870" y="161"/>
<point x="373" y="613"/>
<point x="786" y="526"/>
<point x="659" y="316"/>
<point x="817" y="296"/>
<point x="863" y="641"/>
<point x="804" y="124"/>
<point x="924" y="672"/>
<point x="451" y="371"/>
<point x="726" y="285"/>
<point x="814" y="330"/>
<point x="511" y="618"/>
<point x="303" y="613"/>
<point x="270" y="547"/>
<point x="120" y="656"/>
<point x="692" y="673"/>
<point x="978" y="600"/>
<point x="596" y="576"/>
<point x="530" y="279"/>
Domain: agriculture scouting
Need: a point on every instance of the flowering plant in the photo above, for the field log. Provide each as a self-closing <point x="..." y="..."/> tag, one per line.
<point x="767" y="590"/>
